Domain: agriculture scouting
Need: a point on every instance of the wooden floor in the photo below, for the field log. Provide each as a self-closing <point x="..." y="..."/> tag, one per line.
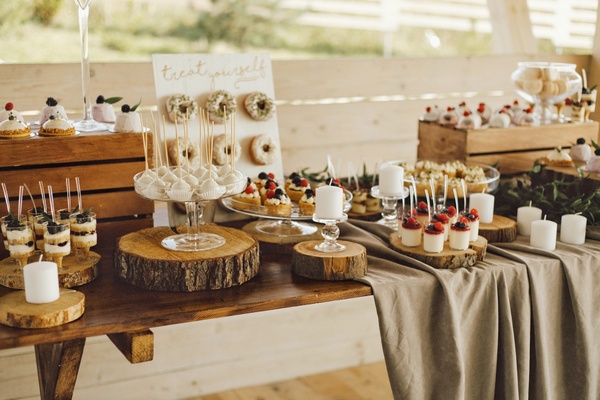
<point x="367" y="382"/>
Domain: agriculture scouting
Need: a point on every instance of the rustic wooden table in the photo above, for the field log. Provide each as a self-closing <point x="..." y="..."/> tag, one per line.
<point x="126" y="313"/>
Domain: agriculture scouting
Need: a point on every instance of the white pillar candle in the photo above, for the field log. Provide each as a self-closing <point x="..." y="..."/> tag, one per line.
<point x="329" y="202"/>
<point x="484" y="204"/>
<point x="543" y="234"/>
<point x="572" y="229"/>
<point x="525" y="215"/>
<point x="391" y="180"/>
<point x="41" y="282"/>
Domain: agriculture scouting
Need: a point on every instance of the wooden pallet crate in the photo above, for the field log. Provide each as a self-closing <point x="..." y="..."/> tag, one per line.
<point x="105" y="164"/>
<point x="512" y="150"/>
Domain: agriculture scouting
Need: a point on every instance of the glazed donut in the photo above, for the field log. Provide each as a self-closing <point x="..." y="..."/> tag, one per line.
<point x="259" y="106"/>
<point x="217" y="103"/>
<point x="187" y="156"/>
<point x="222" y="150"/>
<point x="181" y="107"/>
<point x="263" y="149"/>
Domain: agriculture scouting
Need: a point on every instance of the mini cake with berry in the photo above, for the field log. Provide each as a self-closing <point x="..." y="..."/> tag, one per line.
<point x="449" y="117"/>
<point x="485" y="112"/>
<point x="558" y="158"/>
<point x="9" y="109"/>
<point x="432" y="114"/>
<point x="468" y="120"/>
<point x="433" y="237"/>
<point x="12" y="128"/>
<point x="128" y="120"/>
<point x="581" y="151"/>
<point x="593" y="164"/>
<point x="297" y="188"/>
<point x="249" y="199"/>
<point x="278" y="203"/>
<point x="526" y="117"/>
<point x="460" y="233"/>
<point x="500" y="119"/>
<point x="52" y="108"/>
<point x="103" y="110"/>
<point x="307" y="203"/>
<point x="411" y="231"/>
<point x="57" y="127"/>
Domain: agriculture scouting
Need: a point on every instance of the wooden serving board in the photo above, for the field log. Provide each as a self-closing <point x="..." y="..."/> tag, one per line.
<point x="448" y="258"/>
<point x="347" y="264"/>
<point x="142" y="261"/>
<point x="501" y="229"/>
<point x="75" y="271"/>
<point x="15" y="311"/>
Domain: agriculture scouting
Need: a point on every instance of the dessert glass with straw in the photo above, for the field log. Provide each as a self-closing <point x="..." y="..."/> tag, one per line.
<point x="83" y="227"/>
<point x="57" y="240"/>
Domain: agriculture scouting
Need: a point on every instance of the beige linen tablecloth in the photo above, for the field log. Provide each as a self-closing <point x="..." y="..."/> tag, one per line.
<point x="521" y="324"/>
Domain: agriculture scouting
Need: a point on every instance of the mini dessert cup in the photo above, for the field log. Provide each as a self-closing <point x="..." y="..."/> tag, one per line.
<point x="411" y="231"/>
<point x="57" y="241"/>
<point x="445" y="221"/>
<point x="36" y="216"/>
<point x="460" y="233"/>
<point x="21" y="242"/>
<point x="588" y="101"/>
<point x="63" y="216"/>
<point x="473" y="217"/>
<point x="433" y="238"/>
<point x="83" y="232"/>
<point x="3" y="229"/>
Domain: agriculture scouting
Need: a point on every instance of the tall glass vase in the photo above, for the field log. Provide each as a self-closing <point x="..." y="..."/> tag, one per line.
<point x="87" y="123"/>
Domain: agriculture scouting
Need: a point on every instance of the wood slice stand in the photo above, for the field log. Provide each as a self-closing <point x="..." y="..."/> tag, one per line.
<point x="501" y="229"/>
<point x="448" y="258"/>
<point x="15" y="311"/>
<point x="347" y="264"/>
<point x="277" y="243"/>
<point x="142" y="261"/>
<point x="75" y="271"/>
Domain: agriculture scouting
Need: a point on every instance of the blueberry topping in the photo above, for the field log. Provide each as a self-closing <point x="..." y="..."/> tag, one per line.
<point x="309" y="193"/>
<point x="581" y="141"/>
<point x="294" y="175"/>
<point x="125" y="108"/>
<point x="51" y="101"/>
<point x="263" y="175"/>
<point x="278" y="192"/>
<point x="297" y="180"/>
<point x="100" y="99"/>
<point x="597" y="152"/>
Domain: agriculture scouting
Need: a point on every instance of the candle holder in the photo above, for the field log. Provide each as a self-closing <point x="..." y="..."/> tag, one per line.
<point x="330" y="233"/>
<point x="390" y="206"/>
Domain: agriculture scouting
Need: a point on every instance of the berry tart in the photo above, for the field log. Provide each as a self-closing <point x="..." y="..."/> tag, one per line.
<point x="307" y="203"/>
<point x="249" y="199"/>
<point x="278" y="202"/>
<point x="297" y="188"/>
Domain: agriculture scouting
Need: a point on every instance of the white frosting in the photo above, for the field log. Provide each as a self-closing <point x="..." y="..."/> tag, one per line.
<point x="128" y="122"/>
<point x="5" y="114"/>
<point x="12" y="125"/>
<point x="593" y="164"/>
<point x="104" y="112"/>
<point x="57" y="123"/>
<point x="57" y="111"/>
<point x="581" y="152"/>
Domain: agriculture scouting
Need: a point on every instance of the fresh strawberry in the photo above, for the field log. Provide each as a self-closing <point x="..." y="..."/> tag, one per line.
<point x="422" y="205"/>
<point x="271" y="175"/>
<point x="466" y="113"/>
<point x="270" y="194"/>
<point x="452" y="210"/>
<point x="249" y="190"/>
<point x="438" y="226"/>
<point x="9" y="106"/>
<point x="428" y="109"/>
<point x="272" y="185"/>
<point x="304" y="183"/>
<point x="442" y="218"/>
<point x="474" y="212"/>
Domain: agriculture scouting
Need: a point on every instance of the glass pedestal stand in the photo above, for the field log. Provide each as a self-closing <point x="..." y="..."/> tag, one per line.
<point x="389" y="203"/>
<point x="193" y="240"/>
<point x="286" y="227"/>
<point x="330" y="233"/>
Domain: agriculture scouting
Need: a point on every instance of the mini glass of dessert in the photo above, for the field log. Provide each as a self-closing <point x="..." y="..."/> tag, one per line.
<point x="411" y="232"/>
<point x="83" y="232"/>
<point x="473" y="217"/>
<point x="37" y="219"/>
<point x="433" y="237"/>
<point x="3" y="229"/>
<point x="20" y="238"/>
<point x="460" y="233"/>
<point x="57" y="241"/>
<point x="444" y="220"/>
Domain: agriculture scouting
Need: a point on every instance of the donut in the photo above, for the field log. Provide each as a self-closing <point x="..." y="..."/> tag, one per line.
<point x="181" y="107"/>
<point x="263" y="149"/>
<point x="217" y="103"/>
<point x="222" y="150"/>
<point x="259" y="106"/>
<point x="189" y="155"/>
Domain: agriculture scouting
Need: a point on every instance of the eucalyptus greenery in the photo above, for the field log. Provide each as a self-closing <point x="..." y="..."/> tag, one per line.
<point x="571" y="195"/>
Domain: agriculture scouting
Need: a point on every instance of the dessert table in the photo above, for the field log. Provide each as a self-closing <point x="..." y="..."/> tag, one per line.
<point x="523" y="323"/>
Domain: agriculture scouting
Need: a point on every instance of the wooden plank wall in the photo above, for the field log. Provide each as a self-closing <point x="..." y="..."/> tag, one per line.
<point x="352" y="109"/>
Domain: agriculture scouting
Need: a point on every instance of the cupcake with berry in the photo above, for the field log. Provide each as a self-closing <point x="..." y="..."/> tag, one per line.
<point x="581" y="151"/>
<point x="433" y="237"/>
<point x="411" y="231"/>
<point x="459" y="236"/>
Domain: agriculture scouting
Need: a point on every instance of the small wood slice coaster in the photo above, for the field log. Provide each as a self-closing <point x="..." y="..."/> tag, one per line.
<point x="501" y="229"/>
<point x="142" y="261"/>
<point x="343" y="265"/>
<point x="15" y="311"/>
<point x="448" y="258"/>
<point x="75" y="271"/>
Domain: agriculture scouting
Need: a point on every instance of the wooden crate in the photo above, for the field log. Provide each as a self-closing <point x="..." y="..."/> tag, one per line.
<point x="105" y="164"/>
<point x="513" y="150"/>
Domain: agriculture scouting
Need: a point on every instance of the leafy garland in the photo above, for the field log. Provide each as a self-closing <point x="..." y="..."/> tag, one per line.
<point x="554" y="197"/>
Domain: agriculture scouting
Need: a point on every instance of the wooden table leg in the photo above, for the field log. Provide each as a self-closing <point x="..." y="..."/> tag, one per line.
<point x="57" y="365"/>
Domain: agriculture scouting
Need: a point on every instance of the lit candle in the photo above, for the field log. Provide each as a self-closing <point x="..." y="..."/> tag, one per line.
<point x="41" y="282"/>
<point x="484" y="204"/>
<point x="572" y="229"/>
<point x="329" y="202"/>
<point x="543" y="234"/>
<point x="525" y="215"/>
<point x="391" y="180"/>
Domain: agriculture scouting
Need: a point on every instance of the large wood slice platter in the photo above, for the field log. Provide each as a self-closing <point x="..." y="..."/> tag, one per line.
<point x="15" y="311"/>
<point x="142" y="261"/>
<point x="75" y="271"/>
<point x="448" y="258"/>
<point x="501" y="229"/>
<point x="343" y="265"/>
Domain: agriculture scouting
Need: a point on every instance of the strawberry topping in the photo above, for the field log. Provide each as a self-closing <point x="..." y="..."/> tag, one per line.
<point x="9" y="106"/>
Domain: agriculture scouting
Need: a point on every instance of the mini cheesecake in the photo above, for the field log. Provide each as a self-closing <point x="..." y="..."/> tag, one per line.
<point x="422" y="213"/>
<point x="411" y="232"/>
<point x="433" y="238"/>
<point x="460" y="233"/>
<point x="444" y="220"/>
<point x="473" y="217"/>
